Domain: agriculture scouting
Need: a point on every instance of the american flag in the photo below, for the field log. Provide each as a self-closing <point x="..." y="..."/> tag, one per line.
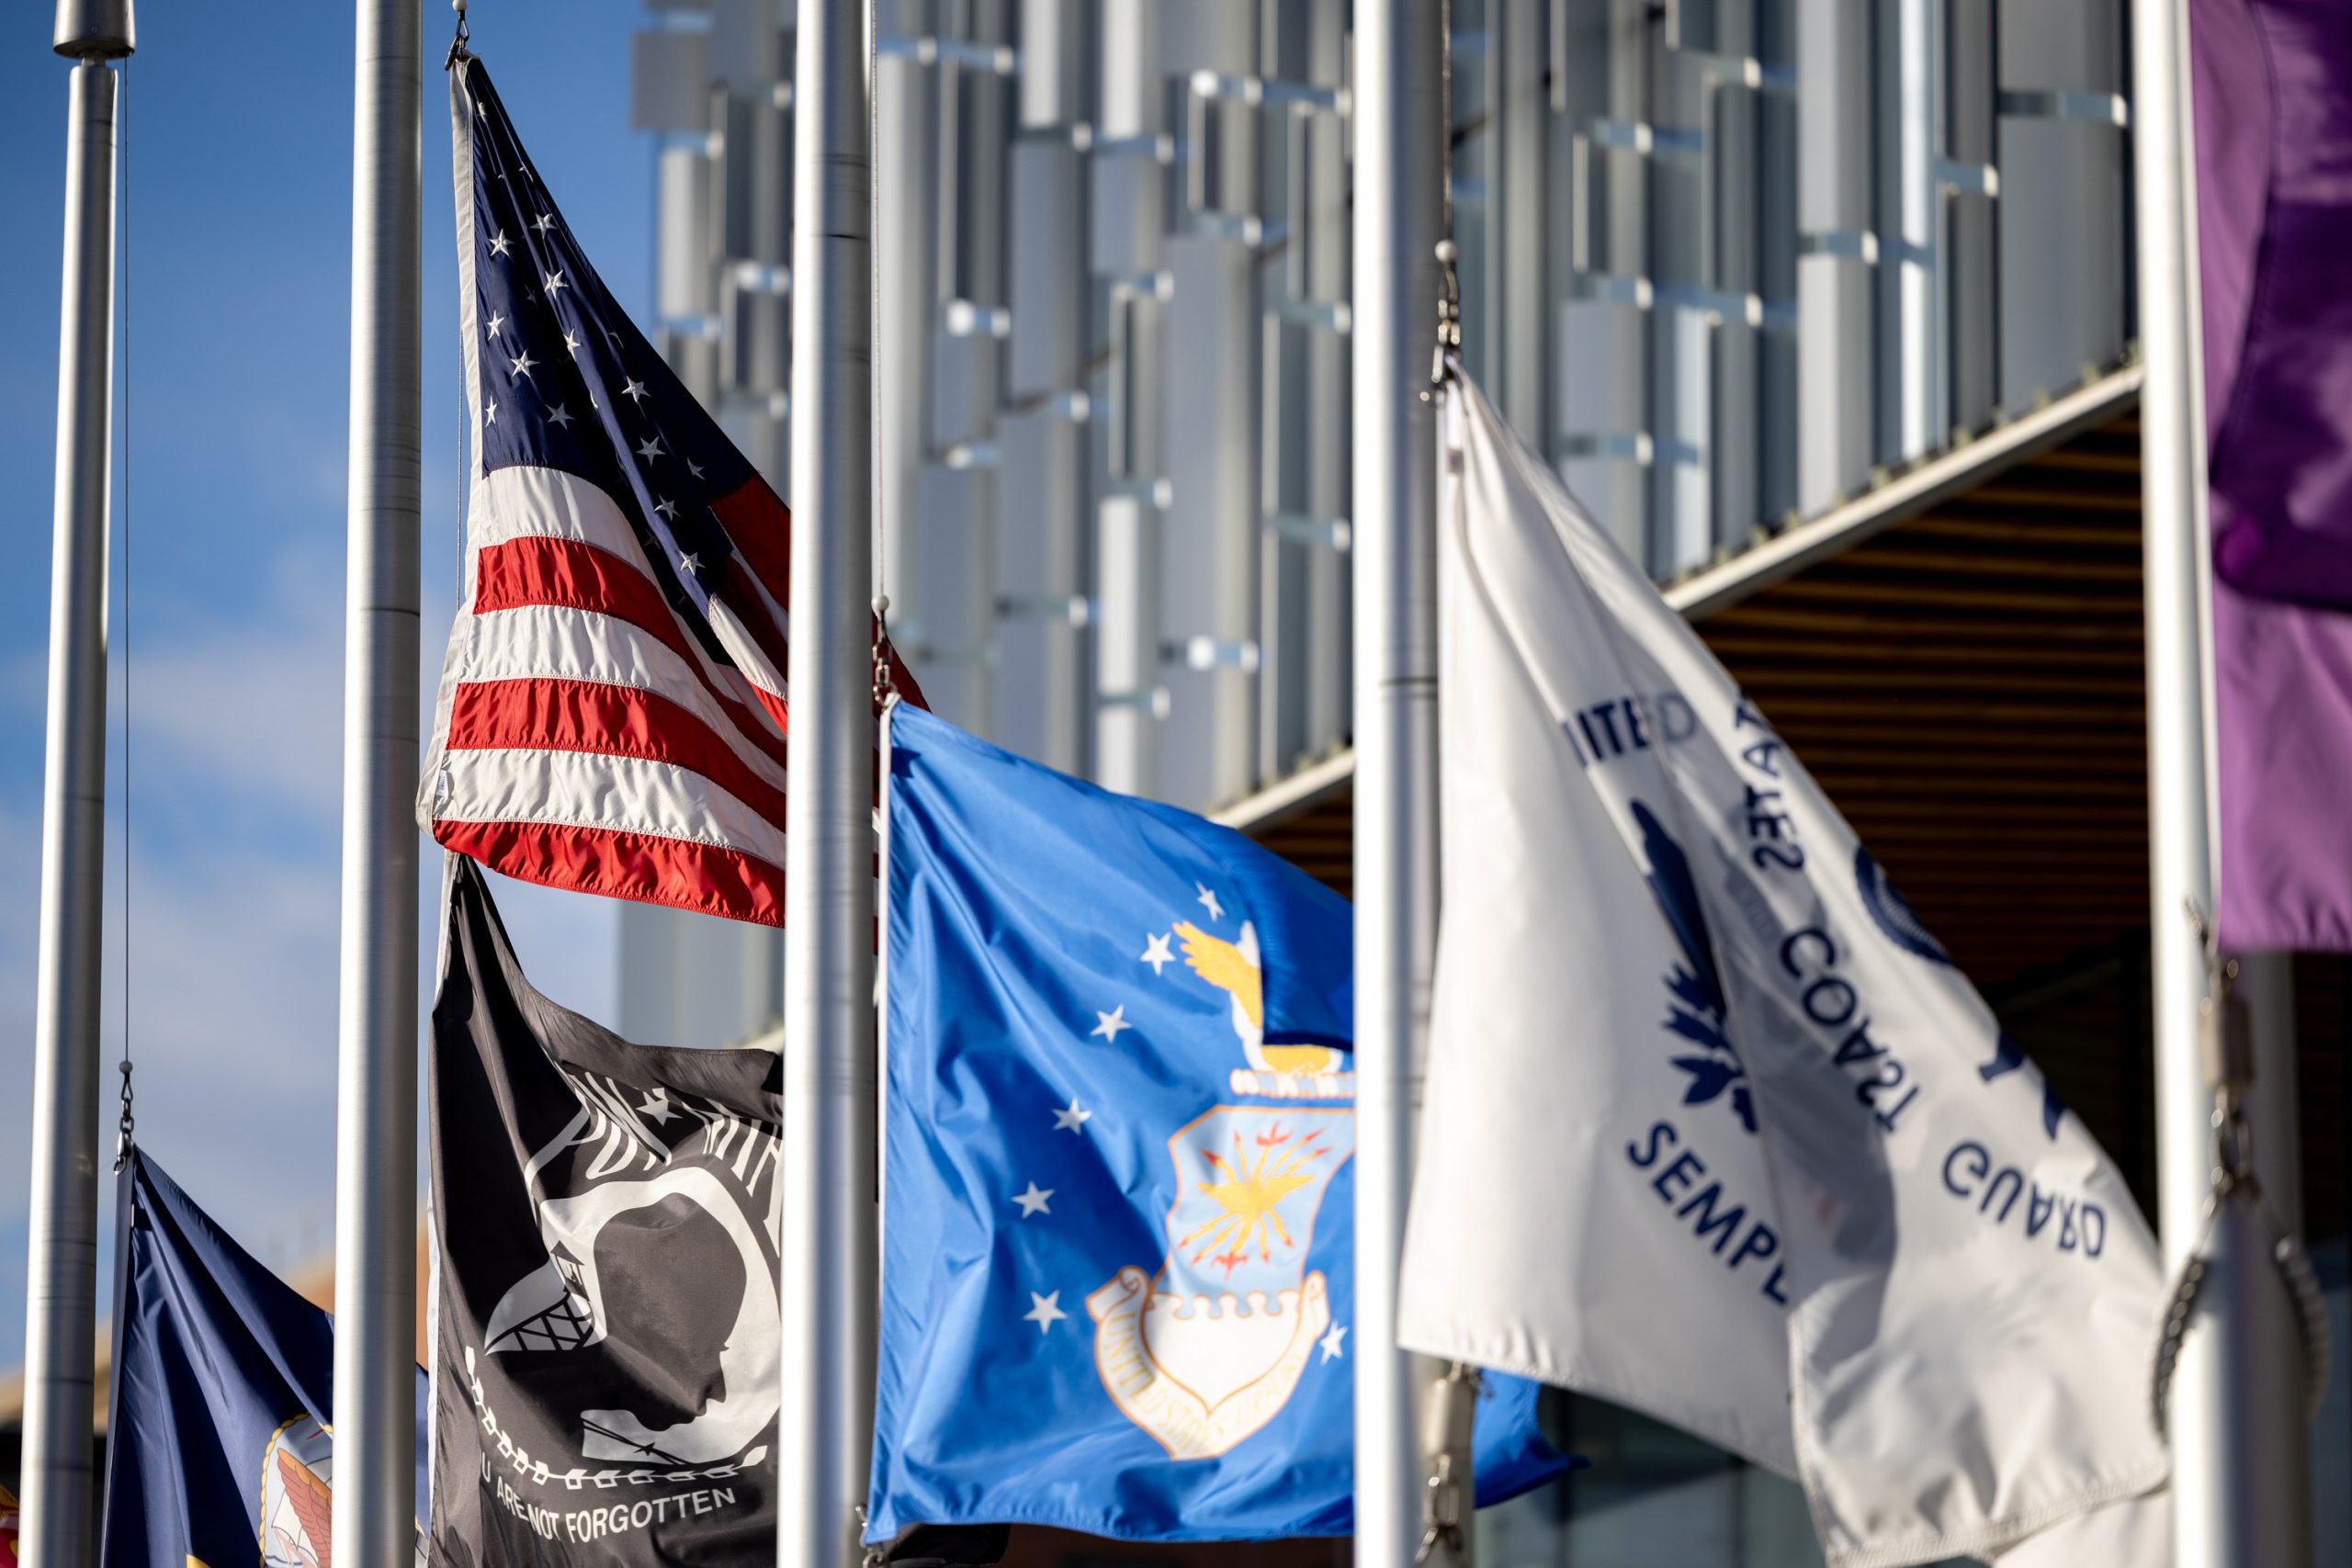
<point x="612" y="712"/>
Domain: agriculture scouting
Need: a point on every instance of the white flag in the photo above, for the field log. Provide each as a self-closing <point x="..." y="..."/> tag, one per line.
<point x="1714" y="1128"/>
<point x="2135" y="1533"/>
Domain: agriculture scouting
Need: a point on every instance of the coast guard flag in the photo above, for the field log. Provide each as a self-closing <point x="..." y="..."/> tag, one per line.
<point x="606" y="1352"/>
<point x="1118" y="1214"/>
<point x="612" y="714"/>
<point x="218" y="1450"/>
<point x="1749" y="1153"/>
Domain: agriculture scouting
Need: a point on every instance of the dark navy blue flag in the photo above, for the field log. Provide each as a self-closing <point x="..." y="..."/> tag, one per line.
<point x="1118" y="1201"/>
<point x="218" y="1450"/>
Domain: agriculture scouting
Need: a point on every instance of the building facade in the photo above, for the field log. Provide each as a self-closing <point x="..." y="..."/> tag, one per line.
<point x="1728" y="260"/>
<point x="1824" y="306"/>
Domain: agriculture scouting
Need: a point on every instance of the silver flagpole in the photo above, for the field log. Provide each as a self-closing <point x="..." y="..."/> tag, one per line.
<point x="375" y="1260"/>
<point x="1401" y="152"/>
<point x="830" y="1256"/>
<point x="2267" y="981"/>
<point x="2231" y="1396"/>
<point x="61" y="1283"/>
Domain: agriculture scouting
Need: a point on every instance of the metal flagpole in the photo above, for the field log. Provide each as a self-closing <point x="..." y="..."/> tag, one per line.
<point x="2267" y="981"/>
<point x="1400" y="166"/>
<point x="61" y="1284"/>
<point x="374" y="1263"/>
<point x="2232" y="1395"/>
<point x="830" y="1255"/>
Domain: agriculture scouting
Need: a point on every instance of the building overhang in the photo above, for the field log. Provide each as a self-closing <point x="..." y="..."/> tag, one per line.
<point x="1956" y="655"/>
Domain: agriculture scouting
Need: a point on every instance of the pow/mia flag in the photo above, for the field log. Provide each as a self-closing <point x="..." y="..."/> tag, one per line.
<point x="606" y="1368"/>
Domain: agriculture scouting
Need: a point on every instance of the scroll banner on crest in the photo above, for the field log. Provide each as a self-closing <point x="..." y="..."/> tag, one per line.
<point x="1823" y="1212"/>
<point x="606" y="1341"/>
<point x="218" y="1450"/>
<point x="1118" y="1202"/>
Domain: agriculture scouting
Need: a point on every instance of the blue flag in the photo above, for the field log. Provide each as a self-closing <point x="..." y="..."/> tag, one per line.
<point x="218" y="1451"/>
<point x="1118" y="1226"/>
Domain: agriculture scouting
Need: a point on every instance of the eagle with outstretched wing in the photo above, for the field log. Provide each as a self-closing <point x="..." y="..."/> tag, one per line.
<point x="1233" y="968"/>
<point x="313" y="1503"/>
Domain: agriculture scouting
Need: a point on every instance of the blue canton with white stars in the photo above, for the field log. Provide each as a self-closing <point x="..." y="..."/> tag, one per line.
<point x="568" y="382"/>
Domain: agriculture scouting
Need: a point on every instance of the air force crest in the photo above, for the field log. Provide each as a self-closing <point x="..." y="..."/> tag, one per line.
<point x="1208" y="1346"/>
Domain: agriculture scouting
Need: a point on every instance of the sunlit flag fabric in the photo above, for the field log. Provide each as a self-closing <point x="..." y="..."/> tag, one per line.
<point x="611" y="713"/>
<point x="1826" y="1212"/>
<point x="1118" y="1221"/>
<point x="8" y="1554"/>
<point x="605" y="1349"/>
<point x="218" y="1450"/>
<point x="2273" y="136"/>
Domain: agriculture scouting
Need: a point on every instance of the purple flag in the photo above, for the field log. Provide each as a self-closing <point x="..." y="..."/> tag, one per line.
<point x="2273" y="83"/>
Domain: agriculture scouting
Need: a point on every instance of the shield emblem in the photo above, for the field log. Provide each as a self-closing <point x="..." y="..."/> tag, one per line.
<point x="1211" y="1347"/>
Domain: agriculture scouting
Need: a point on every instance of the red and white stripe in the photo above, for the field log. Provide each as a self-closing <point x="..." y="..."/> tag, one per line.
<point x="585" y="737"/>
<point x="583" y="734"/>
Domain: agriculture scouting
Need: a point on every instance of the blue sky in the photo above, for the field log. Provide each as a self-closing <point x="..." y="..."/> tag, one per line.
<point x="239" y="213"/>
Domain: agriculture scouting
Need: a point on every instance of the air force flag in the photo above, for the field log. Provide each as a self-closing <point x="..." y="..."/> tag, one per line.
<point x="1118" y="1202"/>
<point x="1828" y="1214"/>
<point x="218" y="1452"/>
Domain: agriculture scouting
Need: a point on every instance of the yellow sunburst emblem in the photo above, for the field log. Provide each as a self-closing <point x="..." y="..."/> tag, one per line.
<point x="1250" y="1195"/>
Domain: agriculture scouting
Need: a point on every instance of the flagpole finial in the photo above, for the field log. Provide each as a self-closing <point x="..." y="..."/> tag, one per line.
<point x="95" y="29"/>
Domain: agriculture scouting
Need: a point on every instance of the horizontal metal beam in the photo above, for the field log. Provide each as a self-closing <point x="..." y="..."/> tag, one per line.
<point x="1925" y="484"/>
<point x="1288" y="797"/>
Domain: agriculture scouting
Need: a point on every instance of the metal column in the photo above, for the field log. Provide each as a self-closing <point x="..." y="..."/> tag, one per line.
<point x="1911" y="412"/>
<point x="761" y="345"/>
<point x="62" y="1272"/>
<point x="830" y="1256"/>
<point x="1602" y="437"/>
<point x="374" y="1263"/>
<point x="960" y="495"/>
<point x="1208" y="564"/>
<point x="1323" y="226"/>
<point x="906" y="164"/>
<point x="1399" y="182"/>
<point x="1127" y="249"/>
<point x="2235" y="1391"/>
<point x="1042" y="556"/>
<point x="1837" y="253"/>
<point x="1519" y="58"/>
<point x="1968" y="244"/>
